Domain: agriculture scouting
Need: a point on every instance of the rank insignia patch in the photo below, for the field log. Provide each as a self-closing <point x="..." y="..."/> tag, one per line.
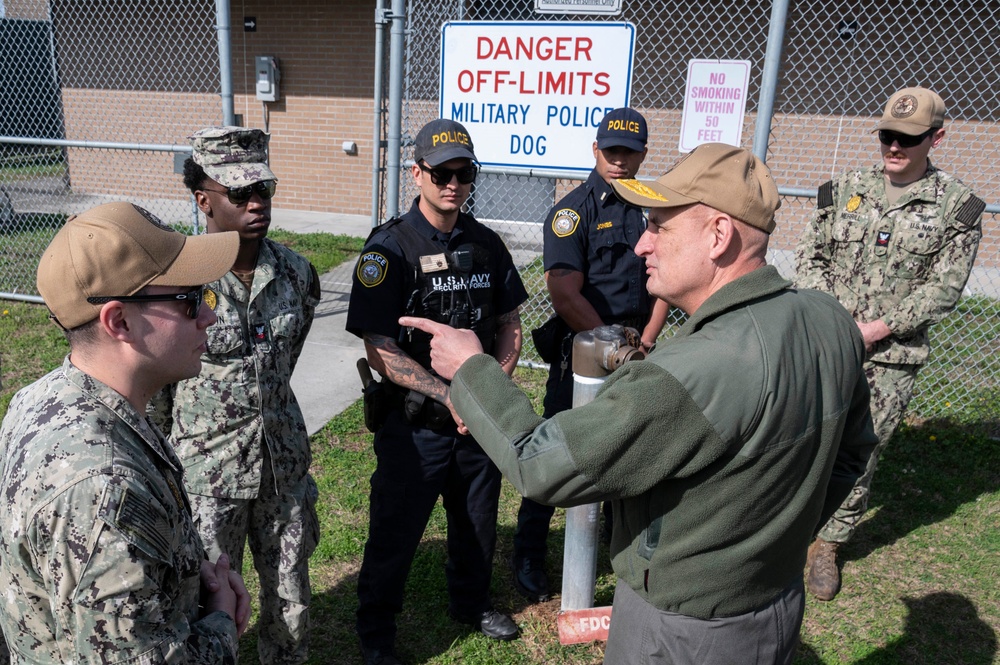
<point x="853" y="203"/>
<point x="210" y="299"/>
<point x="883" y="238"/>
<point x="564" y="222"/>
<point x="372" y="268"/>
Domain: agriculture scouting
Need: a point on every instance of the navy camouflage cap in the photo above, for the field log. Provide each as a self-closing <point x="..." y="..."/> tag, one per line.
<point x="623" y="127"/>
<point x="232" y="156"/>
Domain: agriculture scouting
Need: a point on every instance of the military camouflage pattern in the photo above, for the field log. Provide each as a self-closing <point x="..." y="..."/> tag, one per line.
<point x="282" y="562"/>
<point x="905" y="264"/>
<point x="232" y="156"/>
<point x="239" y="416"/>
<point x="891" y="389"/>
<point x="99" y="557"/>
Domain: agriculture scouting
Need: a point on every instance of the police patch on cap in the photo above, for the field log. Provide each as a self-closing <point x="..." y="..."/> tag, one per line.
<point x="372" y="268"/>
<point x="564" y="222"/>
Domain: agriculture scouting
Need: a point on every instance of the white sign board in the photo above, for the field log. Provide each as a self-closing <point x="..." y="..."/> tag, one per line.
<point x="715" y="99"/>
<point x="532" y="94"/>
<point x="613" y="7"/>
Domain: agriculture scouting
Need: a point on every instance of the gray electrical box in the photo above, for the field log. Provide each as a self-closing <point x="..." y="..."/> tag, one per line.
<point x="268" y="77"/>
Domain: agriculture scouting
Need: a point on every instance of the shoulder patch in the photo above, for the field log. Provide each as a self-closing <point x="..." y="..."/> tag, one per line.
<point x="971" y="210"/>
<point x="372" y="268"/>
<point x="824" y="195"/>
<point x="565" y="222"/>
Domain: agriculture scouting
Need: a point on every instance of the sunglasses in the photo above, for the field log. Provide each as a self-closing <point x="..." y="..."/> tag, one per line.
<point x="192" y="298"/>
<point x="240" y="195"/>
<point x="887" y="136"/>
<point x="441" y="176"/>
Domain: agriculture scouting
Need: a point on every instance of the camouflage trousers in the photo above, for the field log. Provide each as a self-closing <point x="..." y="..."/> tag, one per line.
<point x="283" y="532"/>
<point x="891" y="390"/>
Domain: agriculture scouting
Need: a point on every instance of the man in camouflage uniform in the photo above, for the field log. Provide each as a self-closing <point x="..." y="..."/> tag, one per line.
<point x="99" y="558"/>
<point x="895" y="244"/>
<point x="237" y="426"/>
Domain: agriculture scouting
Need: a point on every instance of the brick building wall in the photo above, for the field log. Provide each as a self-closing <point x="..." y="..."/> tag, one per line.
<point x="326" y="55"/>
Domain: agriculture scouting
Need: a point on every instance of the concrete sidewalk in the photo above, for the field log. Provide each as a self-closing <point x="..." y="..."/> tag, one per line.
<point x="326" y="380"/>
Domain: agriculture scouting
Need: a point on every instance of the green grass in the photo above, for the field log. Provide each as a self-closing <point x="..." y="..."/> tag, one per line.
<point x="919" y="577"/>
<point x="21" y="164"/>
<point x="21" y="246"/>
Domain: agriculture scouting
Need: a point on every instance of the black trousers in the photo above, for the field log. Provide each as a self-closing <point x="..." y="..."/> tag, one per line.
<point x="532" y="517"/>
<point x="416" y="465"/>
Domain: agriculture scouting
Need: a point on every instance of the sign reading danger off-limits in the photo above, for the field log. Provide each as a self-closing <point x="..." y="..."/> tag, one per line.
<point x="532" y="94"/>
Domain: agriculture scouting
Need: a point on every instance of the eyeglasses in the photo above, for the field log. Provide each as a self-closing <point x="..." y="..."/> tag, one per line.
<point x="240" y="195"/>
<point x="192" y="298"/>
<point x="441" y="176"/>
<point x="887" y="136"/>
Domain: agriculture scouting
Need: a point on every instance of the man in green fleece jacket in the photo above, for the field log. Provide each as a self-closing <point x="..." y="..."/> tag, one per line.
<point x="724" y="451"/>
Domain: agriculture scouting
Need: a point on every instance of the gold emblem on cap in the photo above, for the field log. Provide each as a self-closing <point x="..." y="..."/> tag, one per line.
<point x="853" y="203"/>
<point x="210" y="299"/>
<point x="633" y="185"/>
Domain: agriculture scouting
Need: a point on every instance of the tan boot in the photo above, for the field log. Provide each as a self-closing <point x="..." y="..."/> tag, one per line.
<point x="822" y="576"/>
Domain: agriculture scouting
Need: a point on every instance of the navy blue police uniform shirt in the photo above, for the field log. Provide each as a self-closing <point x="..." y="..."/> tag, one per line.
<point x="593" y="231"/>
<point x="383" y="281"/>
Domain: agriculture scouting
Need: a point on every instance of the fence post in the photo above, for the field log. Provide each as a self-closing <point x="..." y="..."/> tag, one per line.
<point x="223" y="29"/>
<point x="380" y="21"/>
<point x="397" y="52"/>
<point x="769" y="78"/>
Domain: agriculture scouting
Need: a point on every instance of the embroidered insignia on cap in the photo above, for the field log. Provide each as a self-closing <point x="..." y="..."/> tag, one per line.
<point x="904" y="107"/>
<point x="883" y="238"/>
<point x="564" y="222"/>
<point x="633" y="185"/>
<point x="153" y="219"/>
<point x="210" y="299"/>
<point x="372" y="269"/>
<point x="853" y="203"/>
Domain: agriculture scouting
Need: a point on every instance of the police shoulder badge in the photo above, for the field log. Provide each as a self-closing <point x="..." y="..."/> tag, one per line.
<point x="564" y="222"/>
<point x="853" y="203"/>
<point x="372" y="268"/>
<point x="210" y="299"/>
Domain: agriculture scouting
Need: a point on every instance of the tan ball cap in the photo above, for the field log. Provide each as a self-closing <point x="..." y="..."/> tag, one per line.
<point x="913" y="111"/>
<point x="118" y="248"/>
<point x="729" y="179"/>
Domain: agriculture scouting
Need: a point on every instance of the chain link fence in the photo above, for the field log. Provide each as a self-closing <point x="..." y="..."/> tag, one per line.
<point x="841" y="61"/>
<point x="97" y="98"/>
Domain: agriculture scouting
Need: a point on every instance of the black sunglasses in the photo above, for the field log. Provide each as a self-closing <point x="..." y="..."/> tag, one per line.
<point x="193" y="298"/>
<point x="887" y="136"/>
<point x="441" y="176"/>
<point x="240" y="195"/>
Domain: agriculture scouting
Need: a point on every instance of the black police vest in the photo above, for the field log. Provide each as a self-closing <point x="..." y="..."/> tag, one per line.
<point x="458" y="291"/>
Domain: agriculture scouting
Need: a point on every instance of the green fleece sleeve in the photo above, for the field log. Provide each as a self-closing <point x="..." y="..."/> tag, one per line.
<point x="529" y="450"/>
<point x="641" y="428"/>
